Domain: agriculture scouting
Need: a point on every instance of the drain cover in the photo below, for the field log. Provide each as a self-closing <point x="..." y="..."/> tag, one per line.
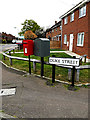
<point x="6" y="92"/>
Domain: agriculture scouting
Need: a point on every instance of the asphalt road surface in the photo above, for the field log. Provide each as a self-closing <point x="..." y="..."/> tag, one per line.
<point x="34" y="99"/>
<point x="4" y="47"/>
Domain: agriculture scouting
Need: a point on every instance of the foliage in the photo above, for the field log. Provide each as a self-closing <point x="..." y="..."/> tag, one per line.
<point x="4" y="41"/>
<point x="29" y="35"/>
<point x="30" y="25"/>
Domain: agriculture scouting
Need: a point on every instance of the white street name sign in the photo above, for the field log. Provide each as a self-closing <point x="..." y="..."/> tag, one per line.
<point x="4" y="92"/>
<point x="64" y="61"/>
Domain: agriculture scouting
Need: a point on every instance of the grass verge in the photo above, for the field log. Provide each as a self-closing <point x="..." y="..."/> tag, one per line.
<point x="60" y="73"/>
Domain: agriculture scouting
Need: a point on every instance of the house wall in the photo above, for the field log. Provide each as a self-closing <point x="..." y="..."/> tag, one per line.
<point x="75" y="27"/>
<point x="58" y="32"/>
<point x="89" y="29"/>
<point x="54" y="44"/>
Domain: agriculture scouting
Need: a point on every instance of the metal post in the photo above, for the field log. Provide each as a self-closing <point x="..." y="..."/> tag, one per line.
<point x="29" y="65"/>
<point x="73" y="74"/>
<point x="53" y="72"/>
<point x="42" y="66"/>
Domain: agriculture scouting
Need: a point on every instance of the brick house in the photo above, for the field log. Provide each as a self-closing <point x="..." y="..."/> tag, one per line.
<point x="54" y="34"/>
<point x="7" y="37"/>
<point x="76" y="29"/>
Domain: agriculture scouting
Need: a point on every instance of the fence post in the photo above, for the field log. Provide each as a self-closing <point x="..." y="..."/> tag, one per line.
<point x="10" y="61"/>
<point x="10" y="53"/>
<point x="34" y="66"/>
<point x="69" y="74"/>
<point x="4" y="57"/>
<point x="53" y="72"/>
<point x="13" y="50"/>
<point x="77" y="77"/>
<point x="85" y="59"/>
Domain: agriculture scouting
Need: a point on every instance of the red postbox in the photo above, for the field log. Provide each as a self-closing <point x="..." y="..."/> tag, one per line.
<point x="28" y="46"/>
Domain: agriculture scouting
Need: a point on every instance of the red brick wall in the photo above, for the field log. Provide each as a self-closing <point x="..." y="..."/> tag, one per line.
<point x="54" y="44"/>
<point x="48" y="34"/>
<point x="75" y="27"/>
<point x="89" y="29"/>
<point x="58" y="32"/>
<point x="53" y="34"/>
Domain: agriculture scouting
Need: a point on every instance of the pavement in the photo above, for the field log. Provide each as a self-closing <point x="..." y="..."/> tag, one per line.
<point x="4" y="47"/>
<point x="35" y="99"/>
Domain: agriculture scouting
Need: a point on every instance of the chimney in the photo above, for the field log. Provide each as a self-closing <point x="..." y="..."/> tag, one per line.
<point x="55" y="22"/>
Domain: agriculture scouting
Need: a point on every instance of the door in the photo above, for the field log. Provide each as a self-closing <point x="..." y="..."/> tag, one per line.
<point x="71" y="42"/>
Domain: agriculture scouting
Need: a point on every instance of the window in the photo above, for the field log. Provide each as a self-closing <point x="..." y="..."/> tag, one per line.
<point x="53" y="30"/>
<point x="60" y="27"/>
<point x="65" y="39"/>
<point x="82" y="11"/>
<point x="65" y="20"/>
<point x="72" y="17"/>
<point x="80" y="39"/>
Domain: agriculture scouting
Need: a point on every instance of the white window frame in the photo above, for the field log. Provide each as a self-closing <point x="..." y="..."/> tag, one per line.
<point x="60" y="27"/>
<point x="82" y="11"/>
<point x="80" y="39"/>
<point x="52" y="30"/>
<point x="65" y="39"/>
<point x="65" y="20"/>
<point x="72" y="17"/>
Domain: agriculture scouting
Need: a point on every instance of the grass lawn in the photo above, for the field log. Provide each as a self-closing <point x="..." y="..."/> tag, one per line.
<point x="50" y="50"/>
<point x="61" y="73"/>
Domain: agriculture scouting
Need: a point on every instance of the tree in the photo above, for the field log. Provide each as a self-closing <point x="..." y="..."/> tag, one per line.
<point x="30" y="25"/>
<point x="29" y="35"/>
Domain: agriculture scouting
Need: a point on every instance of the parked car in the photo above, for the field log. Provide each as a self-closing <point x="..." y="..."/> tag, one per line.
<point x="19" y="41"/>
<point x="14" y="41"/>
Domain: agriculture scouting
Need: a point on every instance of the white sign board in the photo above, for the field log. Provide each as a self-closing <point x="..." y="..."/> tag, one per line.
<point x="10" y="91"/>
<point x="64" y="61"/>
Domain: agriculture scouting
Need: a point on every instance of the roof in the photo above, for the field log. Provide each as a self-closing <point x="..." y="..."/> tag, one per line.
<point x="74" y="8"/>
<point x="54" y="26"/>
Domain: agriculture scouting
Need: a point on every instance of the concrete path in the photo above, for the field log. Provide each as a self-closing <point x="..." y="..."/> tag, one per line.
<point x="34" y="99"/>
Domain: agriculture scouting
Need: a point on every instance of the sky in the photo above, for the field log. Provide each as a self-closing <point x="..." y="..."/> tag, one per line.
<point x="44" y="12"/>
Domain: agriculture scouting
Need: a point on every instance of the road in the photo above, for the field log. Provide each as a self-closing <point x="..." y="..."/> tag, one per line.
<point x="34" y="99"/>
<point x="4" y="47"/>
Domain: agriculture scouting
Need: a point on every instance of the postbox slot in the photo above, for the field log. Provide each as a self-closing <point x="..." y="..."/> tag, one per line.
<point x="24" y="42"/>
